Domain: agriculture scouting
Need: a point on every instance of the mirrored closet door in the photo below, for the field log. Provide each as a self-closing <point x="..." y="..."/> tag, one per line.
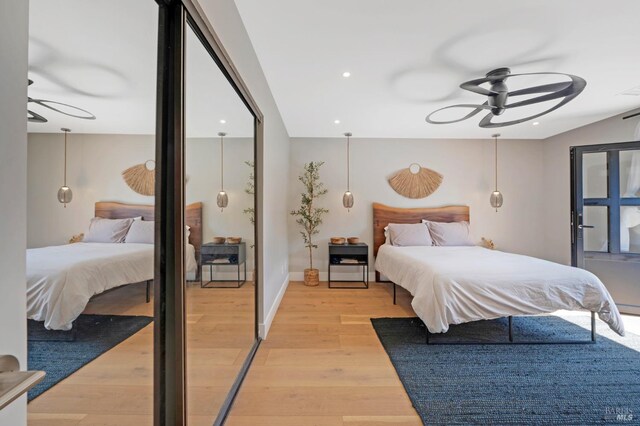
<point x="219" y="192"/>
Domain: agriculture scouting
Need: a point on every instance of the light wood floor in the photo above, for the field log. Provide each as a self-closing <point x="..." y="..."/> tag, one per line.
<point x="117" y="387"/>
<point x="322" y="363"/>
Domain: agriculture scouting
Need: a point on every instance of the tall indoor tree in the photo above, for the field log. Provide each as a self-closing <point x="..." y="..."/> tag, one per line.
<point x="309" y="216"/>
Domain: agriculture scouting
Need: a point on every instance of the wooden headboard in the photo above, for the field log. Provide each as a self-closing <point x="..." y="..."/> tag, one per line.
<point x="384" y="215"/>
<point x="193" y="217"/>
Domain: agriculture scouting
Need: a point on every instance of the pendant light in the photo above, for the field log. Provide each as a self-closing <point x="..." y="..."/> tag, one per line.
<point x="347" y="198"/>
<point x="496" y="196"/>
<point x="223" y="198"/>
<point x="65" y="195"/>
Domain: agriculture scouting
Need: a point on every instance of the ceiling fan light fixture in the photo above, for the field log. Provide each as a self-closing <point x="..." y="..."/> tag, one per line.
<point x="498" y="97"/>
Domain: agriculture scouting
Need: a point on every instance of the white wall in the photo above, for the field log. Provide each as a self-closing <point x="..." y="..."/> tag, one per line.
<point x="14" y="24"/>
<point x="95" y="164"/>
<point x="274" y="177"/>
<point x="468" y="169"/>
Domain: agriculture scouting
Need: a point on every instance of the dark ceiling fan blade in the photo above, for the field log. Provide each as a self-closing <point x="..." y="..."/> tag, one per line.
<point x="35" y="117"/>
<point x="498" y="95"/>
<point x="86" y="115"/>
<point x="486" y="122"/>
<point x="545" y="88"/>
<point x="476" y="109"/>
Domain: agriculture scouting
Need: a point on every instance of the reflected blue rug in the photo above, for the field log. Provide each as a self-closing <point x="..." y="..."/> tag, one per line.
<point x="517" y="384"/>
<point x="59" y="356"/>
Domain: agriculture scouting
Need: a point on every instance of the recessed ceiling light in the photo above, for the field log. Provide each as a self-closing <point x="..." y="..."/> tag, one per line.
<point x="346" y="74"/>
<point x="223" y="121"/>
<point x="535" y="123"/>
<point x="336" y="121"/>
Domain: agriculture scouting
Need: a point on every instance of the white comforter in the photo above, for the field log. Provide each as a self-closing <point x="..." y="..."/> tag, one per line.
<point x="62" y="279"/>
<point x="454" y="285"/>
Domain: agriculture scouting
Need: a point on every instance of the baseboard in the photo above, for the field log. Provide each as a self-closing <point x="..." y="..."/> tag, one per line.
<point x="263" y="328"/>
<point x="628" y="309"/>
<point x="324" y="276"/>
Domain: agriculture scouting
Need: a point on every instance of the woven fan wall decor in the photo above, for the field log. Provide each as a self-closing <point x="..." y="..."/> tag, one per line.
<point x="415" y="181"/>
<point x="141" y="177"/>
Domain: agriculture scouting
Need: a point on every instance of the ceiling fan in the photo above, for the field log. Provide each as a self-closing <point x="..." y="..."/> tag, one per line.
<point x="55" y="106"/>
<point x="498" y="95"/>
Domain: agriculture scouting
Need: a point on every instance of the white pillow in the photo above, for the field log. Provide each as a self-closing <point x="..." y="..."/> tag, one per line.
<point x="103" y="230"/>
<point x="141" y="232"/>
<point x="409" y="234"/>
<point x="450" y="234"/>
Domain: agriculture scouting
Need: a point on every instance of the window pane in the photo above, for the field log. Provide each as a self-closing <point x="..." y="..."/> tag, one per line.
<point x="630" y="229"/>
<point x="596" y="238"/>
<point x="630" y="173"/>
<point x="594" y="175"/>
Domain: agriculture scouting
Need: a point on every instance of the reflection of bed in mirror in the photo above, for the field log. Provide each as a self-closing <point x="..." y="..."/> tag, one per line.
<point x="62" y="279"/>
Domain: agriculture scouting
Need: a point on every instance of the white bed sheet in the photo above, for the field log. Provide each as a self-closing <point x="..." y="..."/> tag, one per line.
<point x="454" y="285"/>
<point x="62" y="279"/>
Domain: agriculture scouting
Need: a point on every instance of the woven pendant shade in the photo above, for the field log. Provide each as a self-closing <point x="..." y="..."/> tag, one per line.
<point x="141" y="178"/>
<point x="416" y="181"/>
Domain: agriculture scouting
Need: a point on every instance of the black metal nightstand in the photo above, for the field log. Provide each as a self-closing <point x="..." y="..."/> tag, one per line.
<point x="350" y="255"/>
<point x="220" y="255"/>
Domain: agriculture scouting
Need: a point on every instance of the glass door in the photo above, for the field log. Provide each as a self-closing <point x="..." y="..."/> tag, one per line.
<point x="605" y="217"/>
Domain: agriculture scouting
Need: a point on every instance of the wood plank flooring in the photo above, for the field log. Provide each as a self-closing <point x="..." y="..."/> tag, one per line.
<point x="117" y="387"/>
<point x="322" y="363"/>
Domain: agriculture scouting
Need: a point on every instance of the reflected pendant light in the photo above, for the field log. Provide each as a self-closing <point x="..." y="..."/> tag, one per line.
<point x="223" y="198"/>
<point x="65" y="195"/>
<point x="347" y="198"/>
<point x="496" y="196"/>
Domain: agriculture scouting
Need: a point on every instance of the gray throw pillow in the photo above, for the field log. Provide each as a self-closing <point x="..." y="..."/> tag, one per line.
<point x="450" y="234"/>
<point x="409" y="234"/>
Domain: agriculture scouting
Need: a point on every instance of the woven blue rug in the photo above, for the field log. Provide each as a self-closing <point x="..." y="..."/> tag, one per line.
<point x="517" y="384"/>
<point x="55" y="353"/>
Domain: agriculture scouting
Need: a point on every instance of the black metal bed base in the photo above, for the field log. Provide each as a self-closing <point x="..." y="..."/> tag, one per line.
<point x="511" y="339"/>
<point x="522" y="342"/>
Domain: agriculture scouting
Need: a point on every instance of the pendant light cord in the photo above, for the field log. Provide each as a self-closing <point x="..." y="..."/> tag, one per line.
<point x="222" y="163"/>
<point x="496" y="155"/>
<point x="348" y="161"/>
<point x="65" y="157"/>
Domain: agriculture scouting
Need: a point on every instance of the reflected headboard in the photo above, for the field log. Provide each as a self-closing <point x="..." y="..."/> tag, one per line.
<point x="384" y="215"/>
<point x="193" y="217"/>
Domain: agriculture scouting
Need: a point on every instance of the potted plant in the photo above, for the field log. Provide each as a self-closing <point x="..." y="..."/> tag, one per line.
<point x="250" y="189"/>
<point x="309" y="217"/>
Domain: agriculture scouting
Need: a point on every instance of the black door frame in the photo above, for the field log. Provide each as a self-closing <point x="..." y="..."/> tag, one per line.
<point x="169" y="301"/>
<point x="612" y="201"/>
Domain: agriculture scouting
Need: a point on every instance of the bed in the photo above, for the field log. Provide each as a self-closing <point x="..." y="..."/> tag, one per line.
<point x="454" y="285"/>
<point x="62" y="279"/>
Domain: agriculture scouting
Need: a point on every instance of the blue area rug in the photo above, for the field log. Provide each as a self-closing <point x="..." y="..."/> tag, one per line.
<point x="517" y="384"/>
<point x="55" y="353"/>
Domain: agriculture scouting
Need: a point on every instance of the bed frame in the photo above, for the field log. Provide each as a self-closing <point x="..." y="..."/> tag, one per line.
<point x="384" y="215"/>
<point x="193" y="218"/>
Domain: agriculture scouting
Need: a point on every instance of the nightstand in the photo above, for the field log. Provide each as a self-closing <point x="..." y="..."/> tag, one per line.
<point x="220" y="255"/>
<point x="350" y="255"/>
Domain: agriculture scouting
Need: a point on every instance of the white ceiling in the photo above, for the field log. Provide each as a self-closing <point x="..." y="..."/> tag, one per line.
<point x="100" y="55"/>
<point x="408" y="57"/>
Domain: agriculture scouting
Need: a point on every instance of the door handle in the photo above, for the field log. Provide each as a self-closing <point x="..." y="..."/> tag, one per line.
<point x="586" y="226"/>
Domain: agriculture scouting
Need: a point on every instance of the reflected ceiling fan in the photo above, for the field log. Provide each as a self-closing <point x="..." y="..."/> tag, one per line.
<point x="71" y="110"/>
<point x="498" y="95"/>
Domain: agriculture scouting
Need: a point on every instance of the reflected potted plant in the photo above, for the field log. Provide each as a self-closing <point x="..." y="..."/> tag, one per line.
<point x="250" y="189"/>
<point x="309" y="217"/>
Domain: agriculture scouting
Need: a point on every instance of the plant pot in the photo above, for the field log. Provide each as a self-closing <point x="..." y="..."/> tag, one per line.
<point x="311" y="277"/>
